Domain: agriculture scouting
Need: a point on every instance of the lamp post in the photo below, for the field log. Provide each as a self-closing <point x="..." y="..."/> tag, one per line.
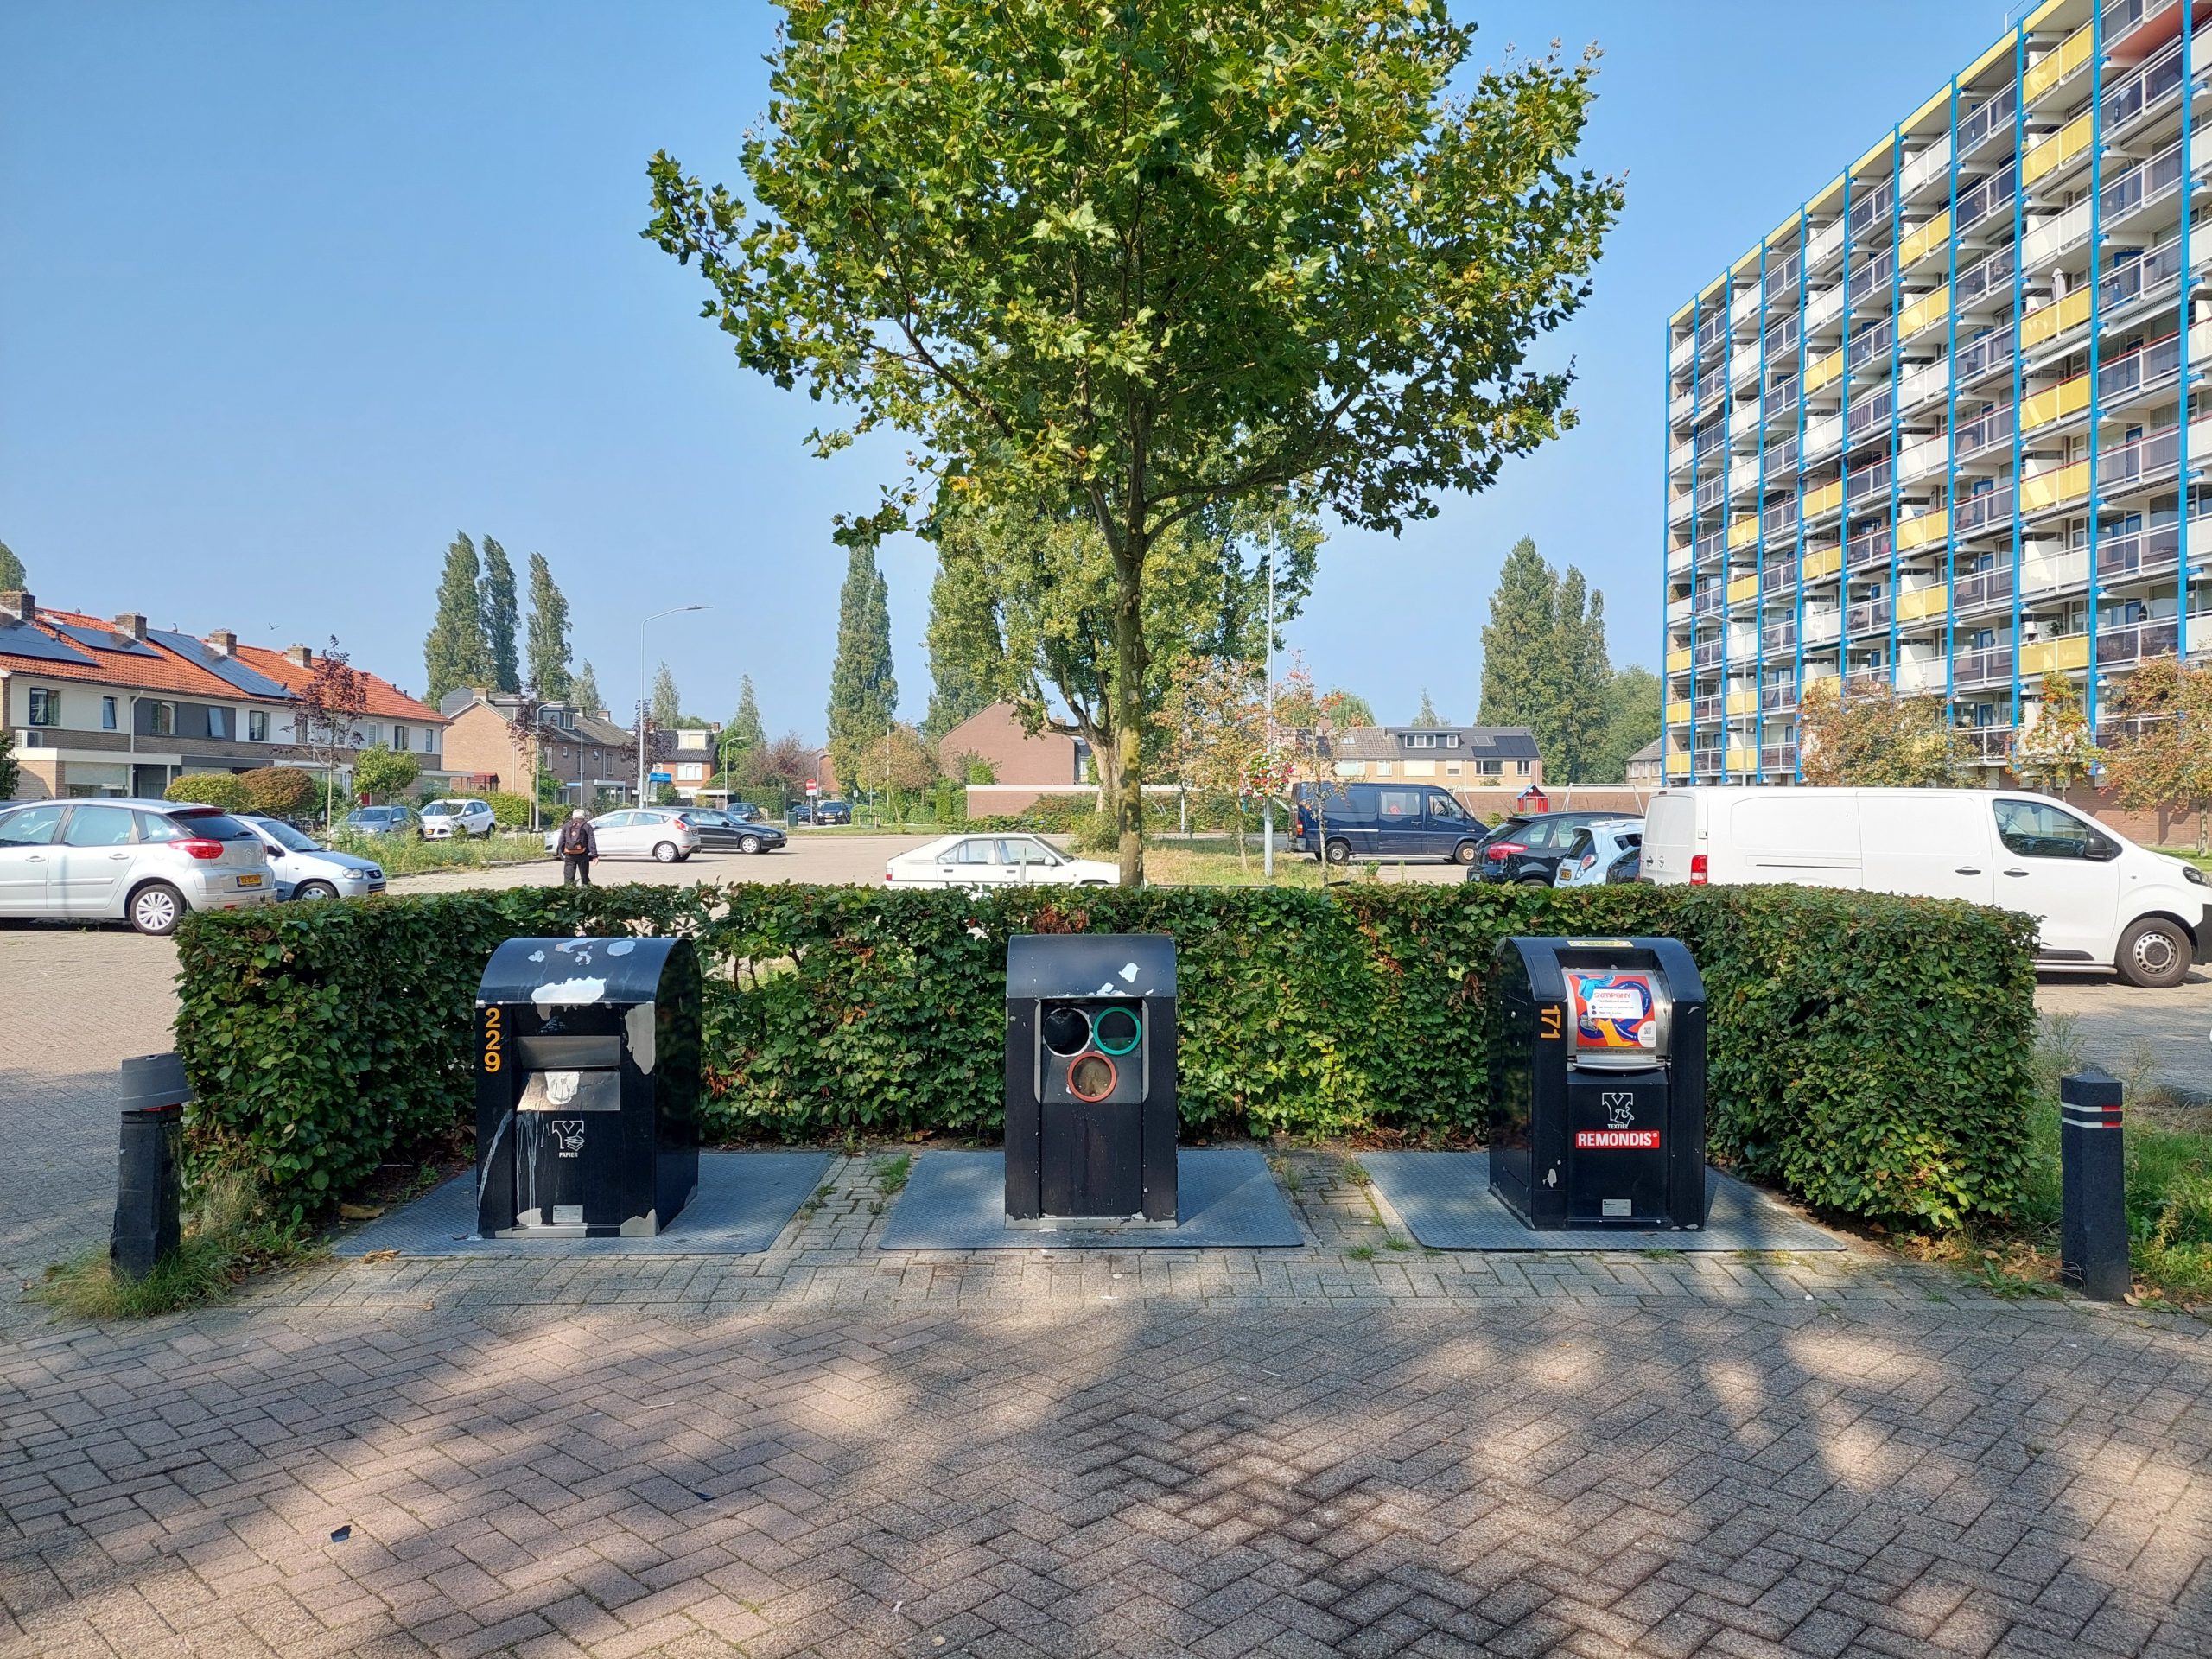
<point x="1267" y="803"/>
<point x="645" y="696"/>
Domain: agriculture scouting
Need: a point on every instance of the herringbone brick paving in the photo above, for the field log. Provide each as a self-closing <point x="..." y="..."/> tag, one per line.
<point x="833" y="1450"/>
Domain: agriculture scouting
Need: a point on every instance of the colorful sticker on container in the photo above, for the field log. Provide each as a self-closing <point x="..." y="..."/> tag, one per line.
<point x="1613" y="1010"/>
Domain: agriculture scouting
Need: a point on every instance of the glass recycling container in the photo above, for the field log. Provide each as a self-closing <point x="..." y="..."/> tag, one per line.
<point x="1090" y="1113"/>
<point x="587" y="1088"/>
<point x="1597" y="1072"/>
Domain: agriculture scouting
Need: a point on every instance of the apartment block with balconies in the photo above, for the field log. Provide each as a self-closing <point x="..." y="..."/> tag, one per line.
<point x="1947" y="428"/>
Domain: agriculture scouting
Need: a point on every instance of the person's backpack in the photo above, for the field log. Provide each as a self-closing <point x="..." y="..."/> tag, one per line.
<point x="575" y="836"/>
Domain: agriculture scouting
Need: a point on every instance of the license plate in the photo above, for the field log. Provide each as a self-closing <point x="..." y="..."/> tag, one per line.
<point x="249" y="881"/>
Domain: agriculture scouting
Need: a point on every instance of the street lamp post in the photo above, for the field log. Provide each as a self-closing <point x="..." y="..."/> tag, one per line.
<point x="1267" y="804"/>
<point x="645" y="697"/>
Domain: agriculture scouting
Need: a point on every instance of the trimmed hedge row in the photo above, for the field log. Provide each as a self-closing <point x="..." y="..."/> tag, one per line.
<point x="1869" y="1054"/>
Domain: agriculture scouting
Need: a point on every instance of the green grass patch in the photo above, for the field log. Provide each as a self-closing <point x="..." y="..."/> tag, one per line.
<point x="406" y="855"/>
<point x="228" y="1235"/>
<point x="890" y="1173"/>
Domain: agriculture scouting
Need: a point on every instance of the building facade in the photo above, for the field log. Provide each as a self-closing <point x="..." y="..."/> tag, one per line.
<point x="593" y="761"/>
<point x="1458" y="757"/>
<point x="1941" y="429"/>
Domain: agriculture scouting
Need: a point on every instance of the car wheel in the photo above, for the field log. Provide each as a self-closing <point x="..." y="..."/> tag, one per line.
<point x="1340" y="852"/>
<point x="314" y="890"/>
<point x="666" y="852"/>
<point x="2154" y="953"/>
<point x="156" y="908"/>
<point x="748" y="844"/>
<point x="1464" y="853"/>
<point x="1535" y="881"/>
<point x="1093" y="882"/>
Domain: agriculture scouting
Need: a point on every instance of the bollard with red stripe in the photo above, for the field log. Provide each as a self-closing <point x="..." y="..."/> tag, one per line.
<point x="2093" y="1182"/>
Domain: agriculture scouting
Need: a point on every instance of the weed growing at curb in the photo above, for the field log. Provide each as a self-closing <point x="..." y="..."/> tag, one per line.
<point x="226" y="1237"/>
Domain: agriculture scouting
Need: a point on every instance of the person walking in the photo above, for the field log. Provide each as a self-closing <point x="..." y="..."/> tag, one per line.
<point x="579" y="846"/>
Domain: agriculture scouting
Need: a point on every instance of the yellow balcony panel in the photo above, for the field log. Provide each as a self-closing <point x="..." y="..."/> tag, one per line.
<point x="2044" y="655"/>
<point x="2048" y="320"/>
<point x="1745" y="530"/>
<point x="2048" y="155"/>
<point x="1745" y="759"/>
<point x="1824" y="563"/>
<point x="1678" y="714"/>
<point x="1678" y="660"/>
<point x="1935" y="233"/>
<point x="1742" y="703"/>
<point x="1821" y="501"/>
<point x="1820" y="371"/>
<point x="1744" y="588"/>
<point x="1931" y="307"/>
<point x="1678" y="766"/>
<point x="2051" y="488"/>
<point x="1918" y="532"/>
<point x="2071" y="54"/>
<point x="1927" y="602"/>
<point x="2066" y="397"/>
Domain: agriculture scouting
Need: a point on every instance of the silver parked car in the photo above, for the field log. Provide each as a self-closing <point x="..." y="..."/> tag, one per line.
<point x="143" y="861"/>
<point x="448" y="820"/>
<point x="657" y="832"/>
<point x="305" y="869"/>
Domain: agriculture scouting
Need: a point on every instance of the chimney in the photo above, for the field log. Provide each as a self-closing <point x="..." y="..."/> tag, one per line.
<point x="19" y="605"/>
<point x="223" y="643"/>
<point x="133" y="623"/>
<point x="298" y="656"/>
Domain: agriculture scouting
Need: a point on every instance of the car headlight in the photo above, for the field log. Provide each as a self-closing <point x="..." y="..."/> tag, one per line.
<point x="2196" y="875"/>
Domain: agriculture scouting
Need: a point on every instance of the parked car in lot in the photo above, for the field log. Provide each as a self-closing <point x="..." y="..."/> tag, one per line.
<point x="664" y="833"/>
<point x="833" y="812"/>
<point x="2102" y="901"/>
<point x="1527" y="848"/>
<point x="1411" y="821"/>
<point x="382" y="821"/>
<point x="445" y="820"/>
<point x="1591" y="852"/>
<point x="304" y="868"/>
<point x="725" y="832"/>
<point x="996" y="861"/>
<point x="144" y="861"/>
<point x="1627" y="868"/>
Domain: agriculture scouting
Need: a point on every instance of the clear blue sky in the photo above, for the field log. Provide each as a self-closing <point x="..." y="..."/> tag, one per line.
<point x="290" y="293"/>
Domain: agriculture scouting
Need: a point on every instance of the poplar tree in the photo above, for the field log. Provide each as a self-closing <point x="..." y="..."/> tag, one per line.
<point x="1581" y="711"/>
<point x="1517" y="639"/>
<point x="583" y="691"/>
<point x="12" y="579"/>
<point x="744" y="738"/>
<point x="1427" y="716"/>
<point x="549" y="635"/>
<point x="958" y="688"/>
<point x="455" y="653"/>
<point x="668" y="708"/>
<point x="863" y="695"/>
<point x="502" y="616"/>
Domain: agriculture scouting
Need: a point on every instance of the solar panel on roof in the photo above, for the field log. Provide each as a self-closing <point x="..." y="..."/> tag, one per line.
<point x="102" y="639"/>
<point x="228" y="670"/>
<point x="21" y="639"/>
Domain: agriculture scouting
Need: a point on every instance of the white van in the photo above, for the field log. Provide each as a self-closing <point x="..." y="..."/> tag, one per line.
<point x="2103" y="901"/>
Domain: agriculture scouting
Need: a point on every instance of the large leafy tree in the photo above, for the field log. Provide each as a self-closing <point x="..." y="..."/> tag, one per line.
<point x="1518" y="678"/>
<point x="2058" y="750"/>
<point x="959" y="687"/>
<point x="1426" y="715"/>
<point x="744" y="738"/>
<point x="667" y="705"/>
<point x="549" y="678"/>
<point x="456" y="652"/>
<point x="1580" y="713"/>
<point x="1545" y="664"/>
<point x="502" y="618"/>
<point x="1631" y="721"/>
<point x="1875" y="738"/>
<point x="11" y="772"/>
<point x="863" y="693"/>
<point x="583" y="691"/>
<point x="12" y="579"/>
<point x="1148" y="259"/>
<point x="2162" y="759"/>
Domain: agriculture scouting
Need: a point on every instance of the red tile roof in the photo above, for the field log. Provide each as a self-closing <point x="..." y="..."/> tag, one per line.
<point x="162" y="672"/>
<point x="386" y="699"/>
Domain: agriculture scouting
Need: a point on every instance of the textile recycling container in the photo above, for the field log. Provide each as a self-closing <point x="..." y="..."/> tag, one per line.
<point x="587" y="1088"/>
<point x="1091" y="1115"/>
<point x="1597" y="1115"/>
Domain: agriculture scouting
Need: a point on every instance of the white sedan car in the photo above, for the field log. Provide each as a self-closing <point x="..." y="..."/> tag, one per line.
<point x="1592" y="851"/>
<point x="995" y="862"/>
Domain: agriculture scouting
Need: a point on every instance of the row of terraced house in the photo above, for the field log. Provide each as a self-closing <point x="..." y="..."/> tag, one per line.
<point x="1944" y="429"/>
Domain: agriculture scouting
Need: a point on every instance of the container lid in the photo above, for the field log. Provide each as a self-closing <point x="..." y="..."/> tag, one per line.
<point x="574" y="972"/>
<point x="154" y="1080"/>
<point x="1089" y="964"/>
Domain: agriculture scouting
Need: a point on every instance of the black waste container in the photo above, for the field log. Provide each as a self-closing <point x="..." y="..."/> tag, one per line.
<point x="1597" y="1058"/>
<point x="1090" y="1117"/>
<point x="588" y="1087"/>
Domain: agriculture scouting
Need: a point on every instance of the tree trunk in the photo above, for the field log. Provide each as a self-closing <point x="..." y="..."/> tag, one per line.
<point x="1126" y="702"/>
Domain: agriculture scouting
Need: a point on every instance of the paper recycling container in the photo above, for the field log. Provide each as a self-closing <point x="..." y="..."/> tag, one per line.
<point x="588" y="1087"/>
<point x="1090" y="1115"/>
<point x="1597" y="1060"/>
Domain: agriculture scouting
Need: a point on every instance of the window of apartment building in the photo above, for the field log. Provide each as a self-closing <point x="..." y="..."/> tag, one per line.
<point x="1382" y="768"/>
<point x="1451" y="741"/>
<point x="107" y="714"/>
<point x="219" y="723"/>
<point x="399" y="739"/>
<point x="1421" y="740"/>
<point x="1489" y="768"/>
<point x="430" y="740"/>
<point x="162" y="719"/>
<point x="257" y="725"/>
<point x="46" y="706"/>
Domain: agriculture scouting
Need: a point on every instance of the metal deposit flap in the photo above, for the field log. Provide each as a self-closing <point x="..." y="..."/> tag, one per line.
<point x="571" y="1091"/>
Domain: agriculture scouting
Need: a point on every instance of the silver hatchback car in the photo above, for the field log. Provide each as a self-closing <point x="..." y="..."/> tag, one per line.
<point x="143" y="861"/>
<point x="657" y="832"/>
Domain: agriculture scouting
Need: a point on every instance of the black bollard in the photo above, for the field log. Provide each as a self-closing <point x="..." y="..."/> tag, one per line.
<point x="149" y="1186"/>
<point x="2093" y="1184"/>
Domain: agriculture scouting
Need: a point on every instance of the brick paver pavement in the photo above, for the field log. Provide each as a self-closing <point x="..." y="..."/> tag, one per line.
<point x="833" y="1450"/>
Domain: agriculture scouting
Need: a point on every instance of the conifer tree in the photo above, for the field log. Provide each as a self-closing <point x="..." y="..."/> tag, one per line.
<point x="1427" y="716"/>
<point x="583" y="691"/>
<point x="455" y="653"/>
<point x="502" y="616"/>
<point x="863" y="695"/>
<point x="550" y="677"/>
<point x="744" y="738"/>
<point x="11" y="580"/>
<point x="1581" y="713"/>
<point x="1516" y="641"/>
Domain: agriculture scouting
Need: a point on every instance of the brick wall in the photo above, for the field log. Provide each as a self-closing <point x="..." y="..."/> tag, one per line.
<point x="1047" y="758"/>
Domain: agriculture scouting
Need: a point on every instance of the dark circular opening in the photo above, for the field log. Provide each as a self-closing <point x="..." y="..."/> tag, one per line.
<point x="1091" y="1078"/>
<point x="1117" y="1030"/>
<point x="1066" y="1030"/>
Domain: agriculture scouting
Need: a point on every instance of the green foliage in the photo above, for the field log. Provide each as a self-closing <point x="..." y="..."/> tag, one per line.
<point x="548" y="648"/>
<point x="667" y="706"/>
<point x="1631" y="721"/>
<point x="1545" y="664"/>
<point x="1353" y="710"/>
<point x="2163" y="762"/>
<point x="1871" y="1054"/>
<point x="2059" y="750"/>
<point x="227" y="1234"/>
<point x="10" y="772"/>
<point x="1874" y="737"/>
<point x="12" y="579"/>
<point x="509" y="811"/>
<point x="222" y="789"/>
<point x="583" y="691"/>
<point x="744" y="739"/>
<point x="384" y="775"/>
<point x="1517" y="679"/>
<point x="278" y="792"/>
<point x="1426" y="717"/>
<point x="502" y="618"/>
<point x="863" y="694"/>
<point x="457" y="651"/>
<point x="959" y="686"/>
<point x="1580" y="715"/>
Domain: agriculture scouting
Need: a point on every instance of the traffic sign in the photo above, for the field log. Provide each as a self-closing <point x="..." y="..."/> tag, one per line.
<point x="813" y="788"/>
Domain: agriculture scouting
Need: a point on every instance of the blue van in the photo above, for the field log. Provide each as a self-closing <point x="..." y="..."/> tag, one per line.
<point x="1410" y="821"/>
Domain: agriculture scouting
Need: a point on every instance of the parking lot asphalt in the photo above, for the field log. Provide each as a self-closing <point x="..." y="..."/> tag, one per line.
<point x="826" y="858"/>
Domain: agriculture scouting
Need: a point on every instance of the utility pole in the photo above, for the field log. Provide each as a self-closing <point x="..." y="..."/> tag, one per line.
<point x="1267" y="804"/>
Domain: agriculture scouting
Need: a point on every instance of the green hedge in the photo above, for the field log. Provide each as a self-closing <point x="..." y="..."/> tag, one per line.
<point x="1870" y="1054"/>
